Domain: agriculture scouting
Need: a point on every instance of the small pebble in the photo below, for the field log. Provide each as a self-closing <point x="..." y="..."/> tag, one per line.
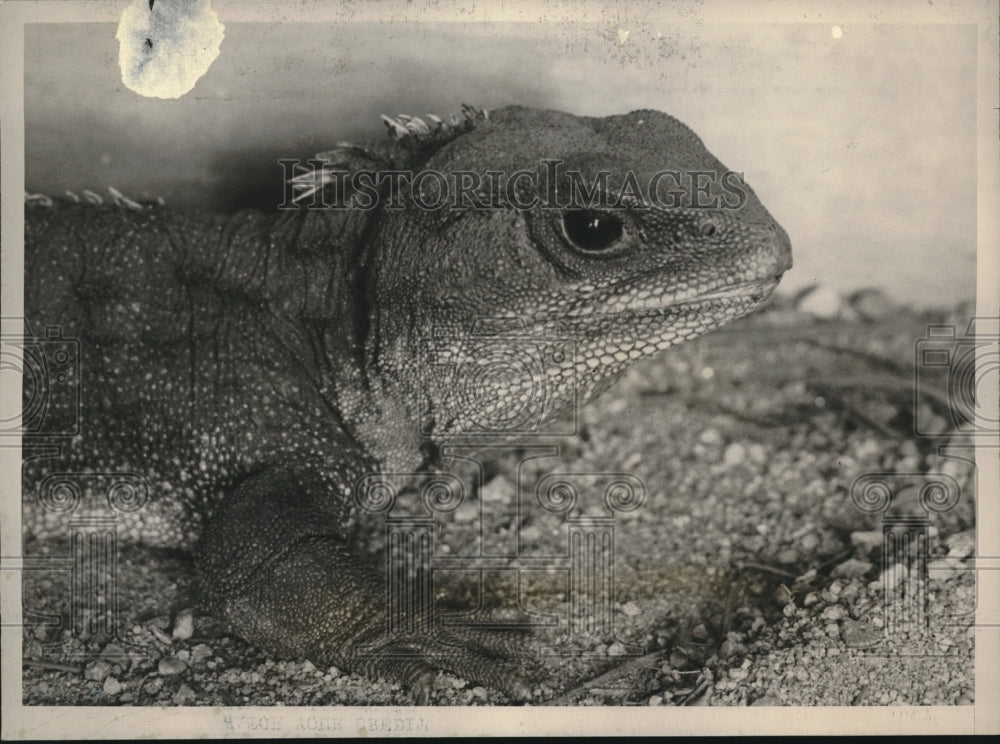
<point x="730" y="647"/>
<point x="933" y="424"/>
<point x="893" y="576"/>
<point x="810" y="542"/>
<point x="807" y="577"/>
<point x="962" y="544"/>
<point x="183" y="625"/>
<point x="183" y="695"/>
<point x="632" y="462"/>
<point x="833" y="613"/>
<point x="821" y="303"/>
<point x="467" y="512"/>
<point x="758" y="453"/>
<point x="112" y="686"/>
<point x="734" y="454"/>
<point x="631" y="609"/>
<point x="169" y="666"/>
<point x="530" y="533"/>
<point x="788" y="556"/>
<point x="159" y="634"/>
<point x="944" y="569"/>
<point x="851" y="591"/>
<point x="153" y="685"/>
<point x="710" y="436"/>
<point x="114" y="651"/>
<point x="498" y="490"/>
<point x="203" y="651"/>
<point x="97" y="670"/>
<point x="866" y="539"/>
<point x="860" y="635"/>
<point x="766" y="701"/>
<point x="957" y="469"/>
<point x="852" y="568"/>
<point x="871" y="304"/>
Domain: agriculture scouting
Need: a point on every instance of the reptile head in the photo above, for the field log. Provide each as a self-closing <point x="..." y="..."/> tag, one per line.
<point x="507" y="303"/>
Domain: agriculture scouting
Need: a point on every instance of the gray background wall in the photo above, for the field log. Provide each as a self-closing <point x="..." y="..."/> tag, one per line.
<point x="863" y="146"/>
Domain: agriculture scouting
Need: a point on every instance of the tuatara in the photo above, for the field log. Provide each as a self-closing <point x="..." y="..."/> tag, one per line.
<point x="254" y="368"/>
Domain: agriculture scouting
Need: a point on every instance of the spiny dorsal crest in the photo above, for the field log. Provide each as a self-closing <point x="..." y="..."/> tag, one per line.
<point x="412" y="141"/>
<point x="117" y="199"/>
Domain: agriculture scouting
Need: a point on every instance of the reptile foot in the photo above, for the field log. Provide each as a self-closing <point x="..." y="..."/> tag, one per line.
<point x="487" y="658"/>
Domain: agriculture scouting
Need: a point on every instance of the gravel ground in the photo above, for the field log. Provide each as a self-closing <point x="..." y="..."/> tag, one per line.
<point x="747" y="577"/>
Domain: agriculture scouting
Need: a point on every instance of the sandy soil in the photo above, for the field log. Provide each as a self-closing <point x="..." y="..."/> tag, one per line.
<point x="747" y="577"/>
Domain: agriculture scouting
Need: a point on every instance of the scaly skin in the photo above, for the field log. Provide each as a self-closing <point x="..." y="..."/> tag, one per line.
<point x="253" y="367"/>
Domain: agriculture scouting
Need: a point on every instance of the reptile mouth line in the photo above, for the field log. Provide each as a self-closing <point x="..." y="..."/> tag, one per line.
<point x="743" y="296"/>
<point x="756" y="291"/>
<point x="752" y="292"/>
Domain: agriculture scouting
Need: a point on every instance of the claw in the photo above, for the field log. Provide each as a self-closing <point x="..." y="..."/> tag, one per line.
<point x="519" y="691"/>
<point x="423" y="688"/>
<point x="92" y="197"/>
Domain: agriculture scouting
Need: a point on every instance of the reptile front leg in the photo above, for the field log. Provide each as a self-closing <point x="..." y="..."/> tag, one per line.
<point x="276" y="569"/>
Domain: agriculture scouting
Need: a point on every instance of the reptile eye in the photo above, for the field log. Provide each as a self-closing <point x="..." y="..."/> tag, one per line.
<point x="592" y="231"/>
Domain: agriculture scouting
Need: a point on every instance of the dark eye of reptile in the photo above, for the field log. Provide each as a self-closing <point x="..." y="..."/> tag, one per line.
<point x="592" y="231"/>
